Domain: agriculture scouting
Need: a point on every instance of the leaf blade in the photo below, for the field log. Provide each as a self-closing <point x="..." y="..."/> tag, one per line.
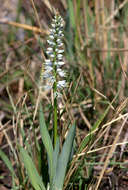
<point x="63" y="159"/>
<point x="47" y="142"/>
<point x="56" y="156"/>
<point x="35" y="179"/>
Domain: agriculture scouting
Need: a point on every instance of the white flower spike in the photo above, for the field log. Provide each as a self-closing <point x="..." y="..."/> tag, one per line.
<point x="53" y="70"/>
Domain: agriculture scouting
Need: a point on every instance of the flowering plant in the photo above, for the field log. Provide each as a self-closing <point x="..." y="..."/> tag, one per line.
<point x="57" y="161"/>
<point x="53" y="71"/>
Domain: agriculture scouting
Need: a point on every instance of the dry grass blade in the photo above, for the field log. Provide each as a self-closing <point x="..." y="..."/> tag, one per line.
<point x="104" y="32"/>
<point x="124" y="68"/>
<point x="36" y="14"/>
<point x="116" y="11"/>
<point x="38" y="21"/>
<point x="84" y="118"/>
<point x="109" y="50"/>
<point x="49" y="6"/>
<point x="101" y="148"/>
<point x="9" y="141"/>
<point x="97" y="20"/>
<point x="24" y="26"/>
<point x="110" y="153"/>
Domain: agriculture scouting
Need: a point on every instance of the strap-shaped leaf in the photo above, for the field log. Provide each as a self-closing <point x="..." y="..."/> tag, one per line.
<point x="63" y="160"/>
<point x="47" y="142"/>
<point x="35" y="179"/>
<point x="55" y="157"/>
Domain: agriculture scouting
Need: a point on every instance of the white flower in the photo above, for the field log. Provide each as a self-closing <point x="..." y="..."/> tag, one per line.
<point x="53" y="31"/>
<point x="61" y="84"/>
<point x="51" y="79"/>
<point x="61" y="35"/>
<point x="53" y="25"/>
<point x="49" y="49"/>
<point x="48" y="52"/>
<point x="56" y="50"/>
<point x="48" y="62"/>
<point x="61" y="25"/>
<point x="50" y="42"/>
<point x="60" y="44"/>
<point x="59" y="56"/>
<point x="46" y="75"/>
<point x="51" y="36"/>
<point x="60" y="63"/>
<point x="61" y="51"/>
<point x="61" y="73"/>
<point x="59" y="40"/>
<point x="52" y="55"/>
<point x="48" y="68"/>
<point x="60" y="32"/>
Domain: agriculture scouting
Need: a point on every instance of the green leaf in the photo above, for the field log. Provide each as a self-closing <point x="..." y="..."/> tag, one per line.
<point x="63" y="160"/>
<point x="7" y="162"/>
<point x="35" y="179"/>
<point x="56" y="156"/>
<point x="47" y="143"/>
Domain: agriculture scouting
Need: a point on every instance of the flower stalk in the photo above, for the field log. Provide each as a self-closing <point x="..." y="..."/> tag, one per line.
<point x="53" y="71"/>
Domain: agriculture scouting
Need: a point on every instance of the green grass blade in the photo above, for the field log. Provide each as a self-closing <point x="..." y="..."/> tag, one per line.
<point x="63" y="159"/>
<point x="47" y="142"/>
<point x="7" y="162"/>
<point x="71" y="14"/>
<point x="35" y="179"/>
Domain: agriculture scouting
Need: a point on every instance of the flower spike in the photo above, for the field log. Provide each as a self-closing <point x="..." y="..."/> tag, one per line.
<point x="52" y="66"/>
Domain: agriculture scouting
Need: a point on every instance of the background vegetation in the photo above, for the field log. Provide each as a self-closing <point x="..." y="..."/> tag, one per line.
<point x="96" y="56"/>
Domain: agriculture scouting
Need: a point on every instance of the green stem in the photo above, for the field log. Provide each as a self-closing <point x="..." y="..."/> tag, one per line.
<point x="55" y="105"/>
<point x="55" y="120"/>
